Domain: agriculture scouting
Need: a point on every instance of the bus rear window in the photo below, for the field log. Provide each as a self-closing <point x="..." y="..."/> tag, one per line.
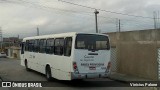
<point x="92" y="42"/>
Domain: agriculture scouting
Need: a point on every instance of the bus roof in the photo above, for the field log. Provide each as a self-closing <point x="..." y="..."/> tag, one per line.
<point x="59" y="35"/>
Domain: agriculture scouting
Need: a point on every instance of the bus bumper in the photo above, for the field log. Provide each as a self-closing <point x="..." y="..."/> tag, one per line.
<point x="89" y="75"/>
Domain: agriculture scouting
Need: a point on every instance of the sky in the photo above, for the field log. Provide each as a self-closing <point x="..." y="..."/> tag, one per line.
<point x="22" y="17"/>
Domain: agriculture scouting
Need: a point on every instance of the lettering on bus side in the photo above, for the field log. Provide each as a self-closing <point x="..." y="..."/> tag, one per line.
<point x="96" y="64"/>
<point x="88" y="58"/>
<point x="84" y="64"/>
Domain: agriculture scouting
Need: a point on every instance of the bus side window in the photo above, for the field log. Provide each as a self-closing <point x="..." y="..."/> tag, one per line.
<point x="31" y="43"/>
<point x="42" y="44"/>
<point x="27" y="45"/>
<point x="68" y="46"/>
<point x="59" y="45"/>
<point x="22" y="48"/>
<point x="36" y="46"/>
<point x="50" y="46"/>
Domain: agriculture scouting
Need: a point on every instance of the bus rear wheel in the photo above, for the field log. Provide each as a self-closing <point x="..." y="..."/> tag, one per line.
<point x="26" y="65"/>
<point x="48" y="73"/>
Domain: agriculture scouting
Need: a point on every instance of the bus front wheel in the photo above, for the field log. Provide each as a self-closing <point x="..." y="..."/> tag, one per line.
<point x="48" y="73"/>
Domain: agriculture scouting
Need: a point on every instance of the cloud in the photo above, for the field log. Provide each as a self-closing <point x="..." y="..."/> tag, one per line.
<point x="39" y="21"/>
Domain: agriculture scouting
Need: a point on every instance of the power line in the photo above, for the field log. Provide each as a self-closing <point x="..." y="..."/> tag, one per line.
<point x="61" y="9"/>
<point x="64" y="10"/>
<point x="51" y="8"/>
<point x="40" y="5"/>
<point x="71" y="11"/>
<point x="105" y="10"/>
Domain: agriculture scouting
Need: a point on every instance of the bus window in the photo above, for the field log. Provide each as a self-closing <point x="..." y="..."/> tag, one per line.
<point x="22" y="48"/>
<point x="50" y="46"/>
<point x="36" y="46"/>
<point x="30" y="45"/>
<point x="26" y="45"/>
<point x="80" y="45"/>
<point x="59" y="44"/>
<point x="68" y="46"/>
<point x="92" y="42"/>
<point x="42" y="44"/>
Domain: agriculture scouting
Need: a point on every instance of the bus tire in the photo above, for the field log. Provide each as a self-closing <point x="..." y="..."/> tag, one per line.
<point x="26" y="65"/>
<point x="48" y="73"/>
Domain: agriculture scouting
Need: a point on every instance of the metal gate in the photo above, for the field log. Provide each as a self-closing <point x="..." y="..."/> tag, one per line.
<point x="113" y="60"/>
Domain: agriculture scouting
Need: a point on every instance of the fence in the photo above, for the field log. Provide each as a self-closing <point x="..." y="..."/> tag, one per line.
<point x="113" y="60"/>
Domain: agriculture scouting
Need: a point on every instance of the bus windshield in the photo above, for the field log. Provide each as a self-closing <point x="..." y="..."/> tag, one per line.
<point x="92" y="42"/>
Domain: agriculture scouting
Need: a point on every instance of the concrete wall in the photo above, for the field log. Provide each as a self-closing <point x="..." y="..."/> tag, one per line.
<point x="137" y="52"/>
<point x="14" y="52"/>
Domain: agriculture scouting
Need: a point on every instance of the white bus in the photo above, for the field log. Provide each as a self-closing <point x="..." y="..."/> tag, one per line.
<point x="67" y="56"/>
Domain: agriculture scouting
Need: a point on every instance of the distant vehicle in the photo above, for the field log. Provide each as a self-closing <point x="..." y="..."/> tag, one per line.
<point x="3" y="55"/>
<point x="67" y="56"/>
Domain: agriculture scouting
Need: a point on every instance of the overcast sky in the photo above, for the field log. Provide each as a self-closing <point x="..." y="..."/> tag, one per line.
<point x="21" y="17"/>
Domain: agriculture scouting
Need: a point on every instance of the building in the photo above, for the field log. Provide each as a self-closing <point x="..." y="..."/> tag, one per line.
<point x="137" y="53"/>
<point x="11" y="41"/>
<point x="13" y="52"/>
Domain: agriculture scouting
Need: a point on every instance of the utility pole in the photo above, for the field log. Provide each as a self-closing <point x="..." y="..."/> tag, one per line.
<point x="1" y="38"/>
<point x="116" y="24"/>
<point x="96" y="12"/>
<point x="155" y="19"/>
<point x="119" y="25"/>
<point x="158" y="20"/>
<point x="37" y="31"/>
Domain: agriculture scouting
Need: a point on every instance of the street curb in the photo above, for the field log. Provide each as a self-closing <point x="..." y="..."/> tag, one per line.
<point x="126" y="78"/>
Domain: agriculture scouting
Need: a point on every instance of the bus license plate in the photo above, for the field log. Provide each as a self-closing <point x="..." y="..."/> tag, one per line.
<point x="92" y="68"/>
